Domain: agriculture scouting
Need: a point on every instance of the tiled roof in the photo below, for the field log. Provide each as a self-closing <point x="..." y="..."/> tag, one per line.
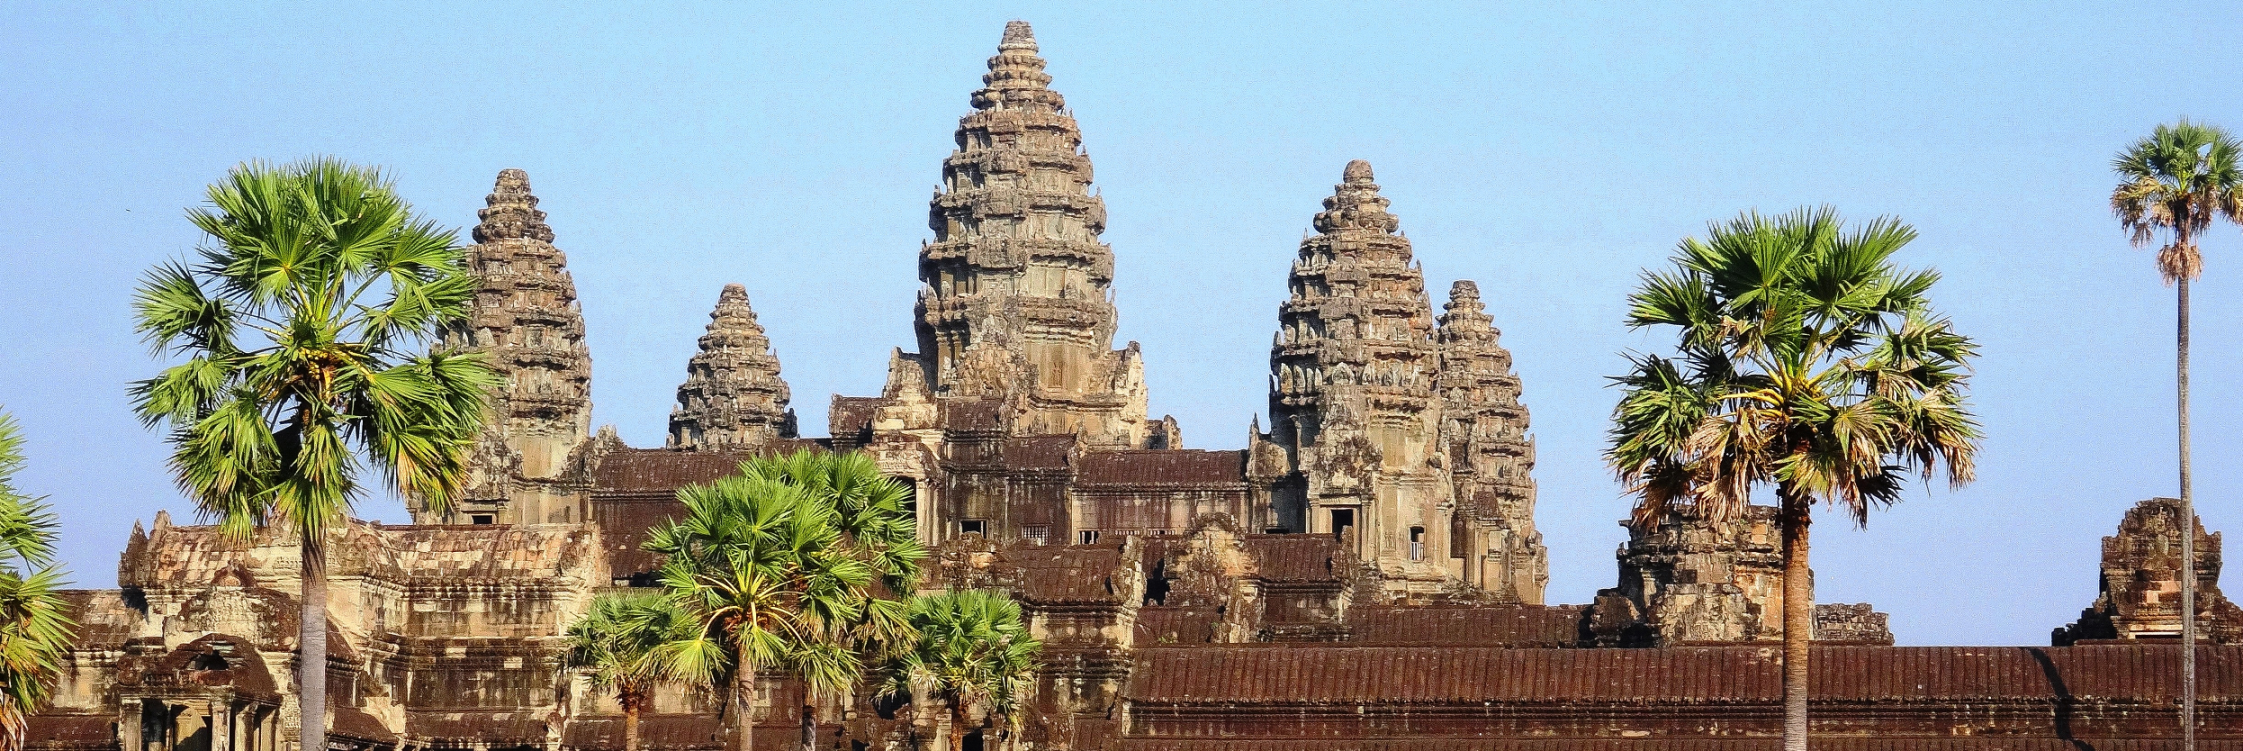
<point x="103" y="618"/>
<point x="665" y="470"/>
<point x="674" y="732"/>
<point x="1821" y="743"/>
<point x="1293" y="674"/>
<point x="1038" y="452"/>
<point x="71" y="731"/>
<point x="972" y="414"/>
<point x="513" y="728"/>
<point x="1163" y="467"/>
<point x="1297" y="557"/>
<point x="1068" y="574"/>
<point x="1468" y="625"/>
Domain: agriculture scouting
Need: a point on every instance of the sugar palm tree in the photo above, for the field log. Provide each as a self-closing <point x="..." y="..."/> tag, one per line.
<point x="304" y="323"/>
<point x="1805" y="362"/>
<point x="34" y="632"/>
<point x="973" y="653"/>
<point x="761" y="565"/>
<point x="617" y="643"/>
<point x="875" y="527"/>
<point x="2172" y="185"/>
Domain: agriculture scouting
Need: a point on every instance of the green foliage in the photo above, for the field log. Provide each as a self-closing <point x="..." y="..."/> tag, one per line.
<point x="618" y="640"/>
<point x="762" y="565"/>
<point x="973" y="651"/>
<point x="2176" y="181"/>
<point x="1804" y="359"/>
<point x="875" y="527"/>
<point x="35" y="632"/>
<point x="303" y="321"/>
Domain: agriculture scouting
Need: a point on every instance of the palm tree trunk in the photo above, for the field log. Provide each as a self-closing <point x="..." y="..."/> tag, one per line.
<point x="743" y="701"/>
<point x="2188" y="546"/>
<point x="809" y="728"/>
<point x="631" y="726"/>
<point x="1798" y="618"/>
<point x="311" y="639"/>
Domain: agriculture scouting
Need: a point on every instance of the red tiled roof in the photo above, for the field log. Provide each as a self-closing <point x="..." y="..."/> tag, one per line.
<point x="1038" y="452"/>
<point x="497" y="728"/>
<point x="1068" y="574"/>
<point x="1821" y="742"/>
<point x="1296" y="557"/>
<point x="1468" y="625"/>
<point x="667" y="732"/>
<point x="663" y="470"/>
<point x="71" y="731"/>
<point x="103" y="618"/>
<point x="972" y="414"/>
<point x="1294" y="674"/>
<point x="1163" y="467"/>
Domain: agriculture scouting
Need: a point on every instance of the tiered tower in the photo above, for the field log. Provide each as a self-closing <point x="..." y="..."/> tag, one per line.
<point x="732" y="397"/>
<point x="526" y="318"/>
<point x="1352" y="398"/>
<point x="1491" y="459"/>
<point x="1016" y="301"/>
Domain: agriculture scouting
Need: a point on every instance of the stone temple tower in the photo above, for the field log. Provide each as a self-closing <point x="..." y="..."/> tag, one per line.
<point x="732" y="397"/>
<point x="1352" y="399"/>
<point x="1015" y="302"/>
<point x="524" y="468"/>
<point x="1490" y="456"/>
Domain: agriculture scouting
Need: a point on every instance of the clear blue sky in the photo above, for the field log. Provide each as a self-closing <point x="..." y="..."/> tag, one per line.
<point x="1550" y="157"/>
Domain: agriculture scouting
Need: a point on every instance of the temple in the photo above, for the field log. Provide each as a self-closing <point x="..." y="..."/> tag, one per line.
<point x="1365" y="574"/>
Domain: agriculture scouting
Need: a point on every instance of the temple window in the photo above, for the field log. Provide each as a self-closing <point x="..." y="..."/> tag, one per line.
<point x="1417" y="543"/>
<point x="973" y="527"/>
<point x="1036" y="533"/>
<point x="1087" y="537"/>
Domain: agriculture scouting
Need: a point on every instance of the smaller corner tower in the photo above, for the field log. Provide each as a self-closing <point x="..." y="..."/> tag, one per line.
<point x="1491" y="458"/>
<point x="733" y="397"/>
<point x="525" y="467"/>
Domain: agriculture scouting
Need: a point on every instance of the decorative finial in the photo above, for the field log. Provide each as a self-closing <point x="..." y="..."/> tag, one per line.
<point x="510" y="211"/>
<point x="1016" y="77"/>
<point x="1356" y="203"/>
<point x="1357" y="172"/>
<point x="1018" y="36"/>
<point x="1464" y="289"/>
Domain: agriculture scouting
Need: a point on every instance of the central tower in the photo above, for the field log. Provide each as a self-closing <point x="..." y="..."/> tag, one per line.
<point x="1016" y="297"/>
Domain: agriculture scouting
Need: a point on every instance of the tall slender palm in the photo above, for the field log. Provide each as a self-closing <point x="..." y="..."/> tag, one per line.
<point x="973" y="653"/>
<point x="618" y="641"/>
<point x="304" y="322"/>
<point x="34" y="632"/>
<point x="760" y="563"/>
<point x="875" y="527"/>
<point x="2173" y="184"/>
<point x="1805" y="361"/>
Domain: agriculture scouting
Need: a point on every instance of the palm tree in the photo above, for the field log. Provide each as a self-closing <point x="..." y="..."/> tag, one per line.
<point x="34" y="632"/>
<point x="2174" y="183"/>
<point x="617" y="642"/>
<point x="1804" y="360"/>
<point x="303" y="324"/>
<point x="973" y="653"/>
<point x="875" y="527"/>
<point x="761" y="565"/>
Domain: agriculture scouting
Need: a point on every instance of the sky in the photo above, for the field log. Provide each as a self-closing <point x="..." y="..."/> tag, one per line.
<point x="1550" y="152"/>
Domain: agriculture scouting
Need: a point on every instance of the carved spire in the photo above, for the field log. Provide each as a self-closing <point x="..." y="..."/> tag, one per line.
<point x="527" y="320"/>
<point x="1483" y="428"/>
<point x="1016" y="287"/>
<point x="1352" y="397"/>
<point x="1357" y="317"/>
<point x="733" y="397"/>
<point x="510" y="212"/>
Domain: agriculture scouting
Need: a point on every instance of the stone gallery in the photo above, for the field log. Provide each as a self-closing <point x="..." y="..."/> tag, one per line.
<point x="1365" y="574"/>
